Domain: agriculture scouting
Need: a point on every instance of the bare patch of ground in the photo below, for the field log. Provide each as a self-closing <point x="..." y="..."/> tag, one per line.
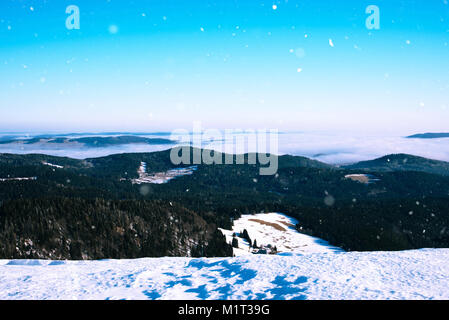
<point x="271" y="224"/>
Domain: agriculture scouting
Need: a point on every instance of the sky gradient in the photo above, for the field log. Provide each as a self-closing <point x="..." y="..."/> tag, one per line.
<point x="160" y="65"/>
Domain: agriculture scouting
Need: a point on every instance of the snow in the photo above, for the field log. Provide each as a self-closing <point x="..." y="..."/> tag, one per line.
<point x="414" y="274"/>
<point x="52" y="165"/>
<point x="278" y="230"/>
<point x="161" y="177"/>
<point x="18" y="179"/>
<point x="113" y="29"/>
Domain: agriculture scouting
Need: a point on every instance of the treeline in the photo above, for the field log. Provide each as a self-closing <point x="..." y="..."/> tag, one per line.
<point x="63" y="228"/>
<point x="379" y="225"/>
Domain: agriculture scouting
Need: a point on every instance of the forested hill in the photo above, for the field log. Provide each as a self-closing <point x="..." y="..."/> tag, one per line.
<point x="88" y="141"/>
<point x="400" y="209"/>
<point x="66" y="228"/>
<point x="429" y="135"/>
<point x="402" y="162"/>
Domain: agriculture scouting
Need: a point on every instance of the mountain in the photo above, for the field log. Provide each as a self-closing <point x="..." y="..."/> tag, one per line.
<point x="429" y="135"/>
<point x="402" y="162"/>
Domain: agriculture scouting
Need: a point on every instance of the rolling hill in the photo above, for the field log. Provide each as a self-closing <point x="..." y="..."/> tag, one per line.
<point x="402" y="162"/>
<point x="429" y="135"/>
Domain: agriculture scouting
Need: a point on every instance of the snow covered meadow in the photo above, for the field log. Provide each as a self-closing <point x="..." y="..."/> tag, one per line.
<point x="415" y="274"/>
<point x="274" y="229"/>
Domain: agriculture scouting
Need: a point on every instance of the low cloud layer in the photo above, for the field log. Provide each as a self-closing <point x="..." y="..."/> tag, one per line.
<point x="326" y="147"/>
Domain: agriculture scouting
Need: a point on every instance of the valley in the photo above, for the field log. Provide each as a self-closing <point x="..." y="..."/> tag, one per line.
<point x="93" y="206"/>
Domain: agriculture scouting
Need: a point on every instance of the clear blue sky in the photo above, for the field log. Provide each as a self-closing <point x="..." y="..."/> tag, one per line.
<point x="160" y="65"/>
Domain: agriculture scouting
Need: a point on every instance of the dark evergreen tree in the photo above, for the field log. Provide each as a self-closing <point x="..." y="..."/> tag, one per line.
<point x="235" y="243"/>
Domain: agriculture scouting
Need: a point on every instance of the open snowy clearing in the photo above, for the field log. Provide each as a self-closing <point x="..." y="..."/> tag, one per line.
<point x="275" y="229"/>
<point x="18" y="179"/>
<point x="161" y="177"/>
<point x="415" y="274"/>
<point x="52" y="165"/>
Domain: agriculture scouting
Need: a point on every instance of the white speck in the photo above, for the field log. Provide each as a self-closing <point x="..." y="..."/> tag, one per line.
<point x="407" y="41"/>
<point x="331" y="43"/>
<point x="300" y="53"/>
<point x="202" y="29"/>
<point x="9" y="28"/>
<point x="31" y="8"/>
<point x="306" y="35"/>
<point x="421" y="104"/>
<point x="144" y="15"/>
<point x="329" y="200"/>
<point x="274" y="7"/>
<point x="113" y="29"/>
<point x="299" y="70"/>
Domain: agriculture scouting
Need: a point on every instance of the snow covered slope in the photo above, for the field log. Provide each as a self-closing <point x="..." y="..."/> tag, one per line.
<point x="416" y="274"/>
<point x="274" y="229"/>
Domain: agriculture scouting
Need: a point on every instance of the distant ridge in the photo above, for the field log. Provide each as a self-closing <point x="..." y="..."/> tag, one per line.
<point x="429" y="135"/>
<point x="92" y="141"/>
<point x="402" y="162"/>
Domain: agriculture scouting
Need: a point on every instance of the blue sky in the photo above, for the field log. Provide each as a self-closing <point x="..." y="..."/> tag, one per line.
<point x="228" y="64"/>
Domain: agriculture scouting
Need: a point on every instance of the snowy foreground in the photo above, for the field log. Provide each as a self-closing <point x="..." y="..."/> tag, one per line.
<point x="416" y="274"/>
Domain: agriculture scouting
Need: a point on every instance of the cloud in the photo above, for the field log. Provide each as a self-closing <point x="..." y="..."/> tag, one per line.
<point x="333" y="148"/>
